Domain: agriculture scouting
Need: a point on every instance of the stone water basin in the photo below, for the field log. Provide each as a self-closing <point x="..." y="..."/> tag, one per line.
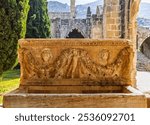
<point x="76" y="73"/>
<point x="119" y="97"/>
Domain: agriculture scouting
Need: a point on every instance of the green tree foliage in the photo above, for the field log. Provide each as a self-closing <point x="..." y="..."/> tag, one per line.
<point x="38" y="23"/>
<point x="13" y="17"/>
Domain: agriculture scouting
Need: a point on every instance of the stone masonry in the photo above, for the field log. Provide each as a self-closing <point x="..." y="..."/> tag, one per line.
<point x="116" y="19"/>
<point x="65" y="22"/>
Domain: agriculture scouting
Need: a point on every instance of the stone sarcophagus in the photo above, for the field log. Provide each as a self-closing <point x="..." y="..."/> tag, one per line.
<point x="72" y="71"/>
<point x="76" y="62"/>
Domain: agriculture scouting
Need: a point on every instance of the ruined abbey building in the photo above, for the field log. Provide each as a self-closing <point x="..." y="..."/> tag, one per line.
<point x="66" y="25"/>
<point x="116" y="19"/>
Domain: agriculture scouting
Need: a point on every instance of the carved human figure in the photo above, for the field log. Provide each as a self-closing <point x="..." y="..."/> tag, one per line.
<point x="30" y="66"/>
<point x="63" y="64"/>
<point x="104" y="56"/>
<point x="74" y="63"/>
<point x="46" y="57"/>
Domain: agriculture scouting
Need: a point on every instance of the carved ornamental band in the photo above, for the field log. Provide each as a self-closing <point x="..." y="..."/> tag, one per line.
<point x="100" y="63"/>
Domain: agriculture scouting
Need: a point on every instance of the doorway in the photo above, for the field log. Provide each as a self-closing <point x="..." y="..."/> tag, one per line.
<point x="75" y="34"/>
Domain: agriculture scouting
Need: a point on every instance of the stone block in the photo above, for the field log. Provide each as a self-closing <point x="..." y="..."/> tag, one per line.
<point x="76" y="59"/>
<point x="76" y="73"/>
<point x="20" y="99"/>
<point x="110" y="21"/>
<point x="114" y="27"/>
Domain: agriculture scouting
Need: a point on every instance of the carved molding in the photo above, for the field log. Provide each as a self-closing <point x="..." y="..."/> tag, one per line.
<point x="75" y="42"/>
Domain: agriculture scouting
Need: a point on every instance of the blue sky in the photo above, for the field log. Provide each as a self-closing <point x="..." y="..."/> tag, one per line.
<point x="85" y="1"/>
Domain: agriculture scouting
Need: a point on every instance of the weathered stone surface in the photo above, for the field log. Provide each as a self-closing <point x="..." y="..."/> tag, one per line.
<point x="63" y="62"/>
<point x="143" y="63"/>
<point x="76" y="73"/>
<point x="73" y="8"/>
<point x="132" y="99"/>
<point x="145" y="47"/>
<point x="82" y="73"/>
<point x="116" y="19"/>
<point x="62" y="23"/>
<point x="142" y="34"/>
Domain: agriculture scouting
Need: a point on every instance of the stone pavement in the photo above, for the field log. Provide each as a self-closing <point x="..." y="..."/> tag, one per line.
<point x="143" y="82"/>
<point x="143" y="63"/>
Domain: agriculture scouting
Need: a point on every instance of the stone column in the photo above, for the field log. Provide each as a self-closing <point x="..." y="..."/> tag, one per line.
<point x="134" y="8"/>
<point x="112" y="19"/>
<point x="73" y="8"/>
<point x="132" y="26"/>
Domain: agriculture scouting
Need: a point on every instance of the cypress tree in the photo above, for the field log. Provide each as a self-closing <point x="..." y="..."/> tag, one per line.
<point x="38" y="23"/>
<point x="13" y="16"/>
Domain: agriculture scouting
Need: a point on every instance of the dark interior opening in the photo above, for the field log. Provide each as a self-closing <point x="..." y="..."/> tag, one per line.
<point x="145" y="47"/>
<point x="75" y="34"/>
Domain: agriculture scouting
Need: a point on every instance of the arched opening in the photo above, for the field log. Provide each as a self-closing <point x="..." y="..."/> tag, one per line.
<point x="75" y="34"/>
<point x="145" y="47"/>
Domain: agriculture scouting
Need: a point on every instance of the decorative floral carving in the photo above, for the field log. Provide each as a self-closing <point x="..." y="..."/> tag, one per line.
<point x="50" y="63"/>
<point x="74" y="63"/>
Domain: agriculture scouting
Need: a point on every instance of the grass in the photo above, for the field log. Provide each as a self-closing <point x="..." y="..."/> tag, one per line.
<point x="9" y="82"/>
<point x="1" y="99"/>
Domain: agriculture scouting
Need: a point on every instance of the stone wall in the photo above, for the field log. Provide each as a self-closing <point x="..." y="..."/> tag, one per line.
<point x="73" y="8"/>
<point x="62" y="27"/>
<point x="143" y="63"/>
<point x="142" y="34"/>
<point x="62" y="24"/>
<point x="96" y="31"/>
<point x="145" y="48"/>
<point x="117" y="20"/>
<point x="133" y="8"/>
<point x="61" y="15"/>
<point x="112" y="19"/>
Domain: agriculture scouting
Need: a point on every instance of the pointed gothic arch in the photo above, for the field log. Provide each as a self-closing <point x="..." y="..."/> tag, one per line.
<point x="145" y="47"/>
<point x="75" y="33"/>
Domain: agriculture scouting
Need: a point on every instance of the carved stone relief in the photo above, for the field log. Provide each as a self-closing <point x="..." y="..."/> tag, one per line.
<point x="104" y="56"/>
<point x="77" y="62"/>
